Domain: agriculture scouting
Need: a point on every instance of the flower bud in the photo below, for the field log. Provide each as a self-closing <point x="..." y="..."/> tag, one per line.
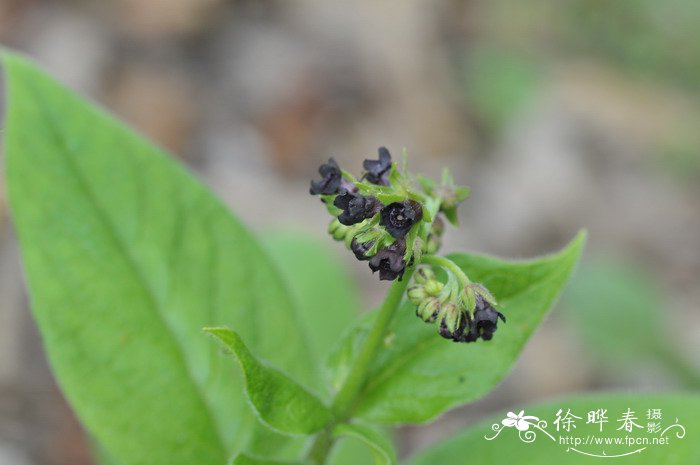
<point x="360" y="249"/>
<point x="428" y="309"/>
<point x="433" y="287"/>
<point x="467" y="298"/>
<point x="450" y="319"/>
<point x="433" y="244"/>
<point x="337" y="230"/>
<point x="424" y="274"/>
<point x="416" y="293"/>
<point x="438" y="227"/>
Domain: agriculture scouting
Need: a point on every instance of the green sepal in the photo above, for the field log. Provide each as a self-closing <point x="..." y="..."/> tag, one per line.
<point x="468" y="299"/>
<point x="462" y="193"/>
<point x="328" y="201"/>
<point x="451" y="215"/>
<point x="387" y="198"/>
<point x="451" y="316"/>
<point x="427" y="184"/>
<point x="484" y="293"/>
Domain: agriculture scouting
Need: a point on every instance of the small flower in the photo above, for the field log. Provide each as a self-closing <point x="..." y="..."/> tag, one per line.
<point x="399" y="217"/>
<point x="389" y="261"/>
<point x="485" y="318"/>
<point x="331" y="179"/>
<point x="378" y="170"/>
<point x="520" y="421"/>
<point x="356" y="207"/>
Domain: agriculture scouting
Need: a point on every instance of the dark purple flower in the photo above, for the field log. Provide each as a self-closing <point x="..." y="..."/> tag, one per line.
<point x="466" y="332"/>
<point x="389" y="261"/>
<point x="331" y="179"/>
<point x="486" y="318"/>
<point x="378" y="170"/>
<point x="356" y="207"/>
<point x="360" y="249"/>
<point x="399" y="217"/>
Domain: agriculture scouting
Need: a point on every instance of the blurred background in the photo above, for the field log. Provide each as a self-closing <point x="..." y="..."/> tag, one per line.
<point x="558" y="114"/>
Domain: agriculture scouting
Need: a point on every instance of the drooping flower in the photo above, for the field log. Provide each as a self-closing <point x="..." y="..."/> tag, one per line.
<point x="378" y="170"/>
<point x="398" y="217"/>
<point x="330" y="179"/>
<point x="389" y="261"/>
<point x="485" y="318"/>
<point x="356" y="207"/>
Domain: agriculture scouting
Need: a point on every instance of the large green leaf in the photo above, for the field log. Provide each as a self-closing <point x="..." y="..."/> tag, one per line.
<point x="626" y="324"/>
<point x="683" y="447"/>
<point x="380" y="445"/>
<point x="327" y="296"/>
<point x="244" y="459"/>
<point x="419" y="375"/>
<point x="281" y="403"/>
<point x="127" y="257"/>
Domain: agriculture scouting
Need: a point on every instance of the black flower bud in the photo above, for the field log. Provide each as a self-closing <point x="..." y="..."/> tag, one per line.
<point x="389" y="261"/>
<point x="331" y="178"/>
<point x="360" y="249"/>
<point x="485" y="318"/>
<point x="356" y="207"/>
<point x="398" y="217"/>
<point x="378" y="170"/>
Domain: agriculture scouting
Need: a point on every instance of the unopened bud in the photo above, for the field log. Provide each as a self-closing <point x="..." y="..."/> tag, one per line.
<point x="428" y="310"/>
<point x="424" y="274"/>
<point x="416" y="293"/>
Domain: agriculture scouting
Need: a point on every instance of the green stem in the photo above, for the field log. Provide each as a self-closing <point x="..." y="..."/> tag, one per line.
<point x="447" y="264"/>
<point x="355" y="381"/>
<point x="349" y="392"/>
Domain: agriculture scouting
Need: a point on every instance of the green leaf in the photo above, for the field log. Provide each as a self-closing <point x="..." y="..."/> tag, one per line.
<point x="472" y="446"/>
<point x="327" y="296"/>
<point x="382" y="448"/>
<point x="127" y="257"/>
<point x="418" y="375"/>
<point x="619" y="310"/>
<point x="243" y="459"/>
<point x="281" y="403"/>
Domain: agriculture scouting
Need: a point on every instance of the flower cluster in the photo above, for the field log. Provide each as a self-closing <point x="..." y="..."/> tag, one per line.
<point x="464" y="311"/>
<point x="394" y="220"/>
<point x="381" y="217"/>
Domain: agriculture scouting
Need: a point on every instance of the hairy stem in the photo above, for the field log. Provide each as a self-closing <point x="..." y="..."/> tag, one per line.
<point x="349" y="392"/>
